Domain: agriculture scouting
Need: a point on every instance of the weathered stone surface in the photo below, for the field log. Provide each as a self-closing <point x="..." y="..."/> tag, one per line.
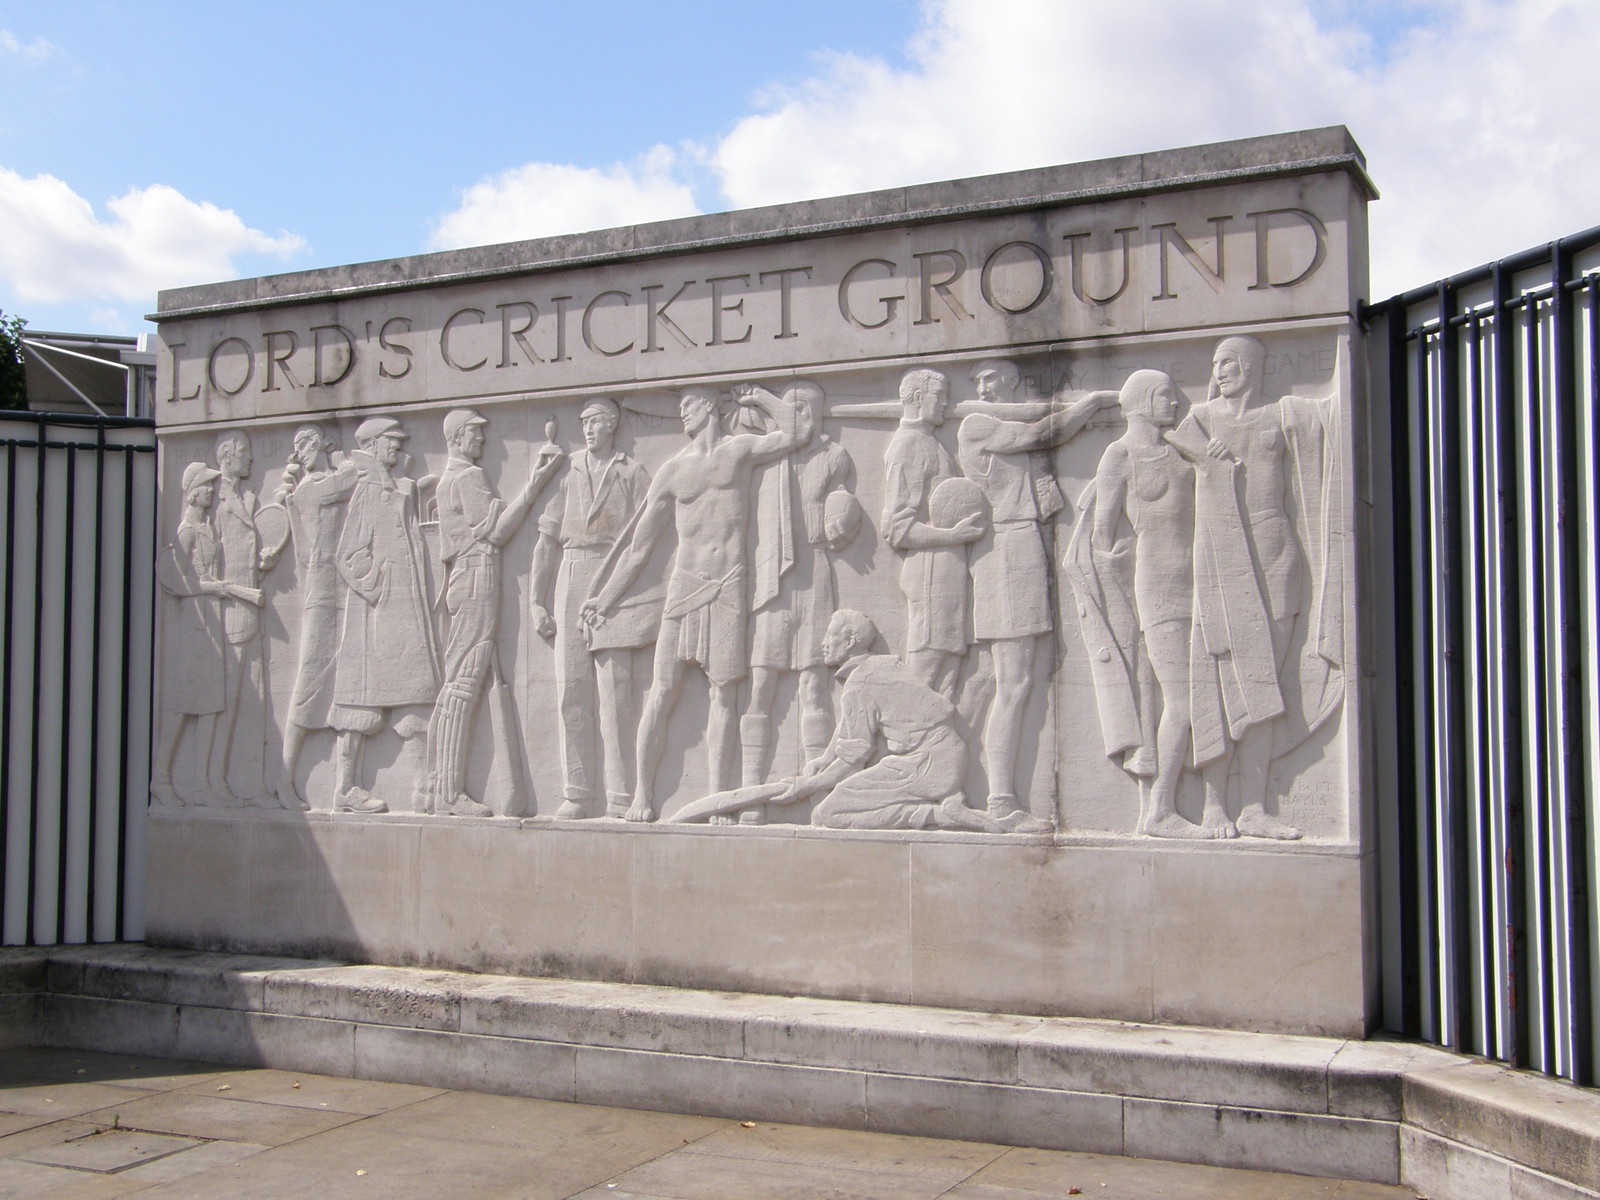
<point x="945" y="596"/>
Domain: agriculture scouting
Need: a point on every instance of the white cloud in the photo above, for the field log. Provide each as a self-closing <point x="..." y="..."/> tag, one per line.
<point x="56" y="247"/>
<point x="1477" y="123"/>
<point x="541" y="199"/>
<point x="1474" y="114"/>
<point x="38" y="48"/>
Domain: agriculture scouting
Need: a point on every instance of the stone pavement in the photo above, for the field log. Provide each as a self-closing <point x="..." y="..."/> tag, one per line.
<point x="79" y="1126"/>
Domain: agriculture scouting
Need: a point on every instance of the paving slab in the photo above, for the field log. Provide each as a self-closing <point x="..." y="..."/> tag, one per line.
<point x="217" y="1119"/>
<point x="318" y="1092"/>
<point x="107" y="1151"/>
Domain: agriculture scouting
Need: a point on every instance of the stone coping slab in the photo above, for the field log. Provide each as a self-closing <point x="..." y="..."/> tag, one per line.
<point x="1324" y="1106"/>
<point x="1331" y="148"/>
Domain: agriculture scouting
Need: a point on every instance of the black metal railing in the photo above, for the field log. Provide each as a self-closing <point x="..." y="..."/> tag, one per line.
<point x="1491" y="384"/>
<point x="77" y="502"/>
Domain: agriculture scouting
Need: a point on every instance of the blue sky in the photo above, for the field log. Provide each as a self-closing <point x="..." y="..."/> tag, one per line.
<point x="162" y="143"/>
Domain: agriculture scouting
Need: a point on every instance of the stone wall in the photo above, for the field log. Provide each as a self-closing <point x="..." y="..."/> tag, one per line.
<point x="947" y="595"/>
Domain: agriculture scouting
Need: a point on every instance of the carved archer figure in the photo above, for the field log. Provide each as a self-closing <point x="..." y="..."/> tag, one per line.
<point x="703" y="492"/>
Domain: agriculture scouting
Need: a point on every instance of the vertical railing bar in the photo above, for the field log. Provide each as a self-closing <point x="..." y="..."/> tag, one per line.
<point x="1401" y="441"/>
<point x="1477" y="681"/>
<point x="1588" y="658"/>
<point x="64" y="781"/>
<point x="1538" y="697"/>
<point x="5" y="664"/>
<point x="129" y="461"/>
<point x="38" y="650"/>
<point x="1452" y="727"/>
<point x="1574" y="776"/>
<point x="1428" y="863"/>
<point x="1510" y="653"/>
<point x="92" y="861"/>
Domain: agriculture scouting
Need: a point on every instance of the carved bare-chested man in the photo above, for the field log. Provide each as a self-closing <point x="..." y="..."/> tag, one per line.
<point x="702" y="491"/>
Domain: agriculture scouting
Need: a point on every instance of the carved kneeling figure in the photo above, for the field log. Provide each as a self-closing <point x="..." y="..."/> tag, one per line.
<point x="916" y="785"/>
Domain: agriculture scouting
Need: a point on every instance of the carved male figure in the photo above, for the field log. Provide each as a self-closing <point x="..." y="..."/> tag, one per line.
<point x="703" y="492"/>
<point x="598" y="495"/>
<point x="795" y="591"/>
<point x="1266" y="524"/>
<point x="1137" y="593"/>
<point x="314" y="492"/>
<point x="937" y="619"/>
<point x="388" y="663"/>
<point x="473" y="526"/>
<point x="1010" y="567"/>
<point x="194" y="677"/>
<point x="917" y="782"/>
<point x="240" y="742"/>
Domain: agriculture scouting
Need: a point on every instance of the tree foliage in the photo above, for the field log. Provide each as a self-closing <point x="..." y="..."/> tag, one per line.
<point x="13" y="382"/>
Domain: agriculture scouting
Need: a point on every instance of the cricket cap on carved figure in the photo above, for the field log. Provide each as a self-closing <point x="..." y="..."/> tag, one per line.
<point x="458" y="419"/>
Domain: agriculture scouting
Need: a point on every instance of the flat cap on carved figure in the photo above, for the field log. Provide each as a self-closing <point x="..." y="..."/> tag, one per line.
<point x="373" y="428"/>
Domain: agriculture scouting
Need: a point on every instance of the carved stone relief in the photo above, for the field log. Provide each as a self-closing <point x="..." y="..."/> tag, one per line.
<point x="427" y="654"/>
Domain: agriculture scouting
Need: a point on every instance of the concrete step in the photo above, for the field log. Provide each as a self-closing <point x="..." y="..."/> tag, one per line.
<point x="1380" y="1111"/>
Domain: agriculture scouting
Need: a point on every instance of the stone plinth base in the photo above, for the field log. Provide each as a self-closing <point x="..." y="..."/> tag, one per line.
<point x="1451" y="1128"/>
<point x="1250" y="937"/>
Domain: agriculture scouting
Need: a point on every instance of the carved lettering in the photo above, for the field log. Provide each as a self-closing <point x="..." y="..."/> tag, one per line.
<point x="249" y="366"/>
<point x="1046" y="278"/>
<point x="530" y="312"/>
<point x="1167" y="236"/>
<point x="588" y="320"/>
<point x="721" y="306"/>
<point x="561" y="303"/>
<point x="277" y="358"/>
<point x="785" y="298"/>
<point x="444" y="339"/>
<point x="318" y="379"/>
<point x="1263" y="220"/>
<point x="955" y="268"/>
<point x="890" y="302"/>
<point x="176" y="361"/>
<point x="393" y="347"/>
<point x="1075" y="265"/>
<point x="656" y="316"/>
